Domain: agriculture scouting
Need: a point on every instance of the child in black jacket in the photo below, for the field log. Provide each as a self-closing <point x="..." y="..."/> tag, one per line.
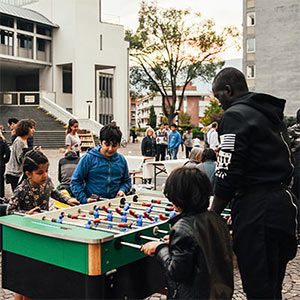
<point x="197" y="255"/>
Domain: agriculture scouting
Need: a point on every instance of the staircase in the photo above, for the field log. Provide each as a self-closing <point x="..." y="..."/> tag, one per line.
<point x="49" y="131"/>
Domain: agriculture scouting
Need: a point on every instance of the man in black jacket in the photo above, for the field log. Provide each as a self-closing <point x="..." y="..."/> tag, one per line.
<point x="4" y="158"/>
<point x="254" y="170"/>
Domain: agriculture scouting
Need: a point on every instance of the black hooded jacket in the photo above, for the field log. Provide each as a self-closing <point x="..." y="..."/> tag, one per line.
<point x="255" y="157"/>
<point x="4" y="153"/>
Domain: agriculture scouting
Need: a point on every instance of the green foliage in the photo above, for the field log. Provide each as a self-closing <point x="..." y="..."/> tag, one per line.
<point x="152" y="117"/>
<point x="289" y="121"/>
<point x="197" y="133"/>
<point x="172" y="47"/>
<point x="164" y="120"/>
<point x="184" y="118"/>
<point x="212" y="113"/>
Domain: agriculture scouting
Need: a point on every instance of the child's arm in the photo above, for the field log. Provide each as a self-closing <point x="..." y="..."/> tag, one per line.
<point x="57" y="195"/>
<point x="15" y="201"/>
<point x="178" y="258"/>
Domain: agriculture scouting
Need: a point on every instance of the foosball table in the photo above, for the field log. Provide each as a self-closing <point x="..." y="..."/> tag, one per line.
<point x="90" y="251"/>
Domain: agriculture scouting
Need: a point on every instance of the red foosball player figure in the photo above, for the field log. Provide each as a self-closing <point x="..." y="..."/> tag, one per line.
<point x="197" y="254"/>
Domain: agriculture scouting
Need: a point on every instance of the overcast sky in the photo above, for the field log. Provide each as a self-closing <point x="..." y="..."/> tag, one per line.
<point x="224" y="12"/>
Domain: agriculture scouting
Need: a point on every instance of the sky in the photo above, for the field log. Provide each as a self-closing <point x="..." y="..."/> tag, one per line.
<point x="223" y="12"/>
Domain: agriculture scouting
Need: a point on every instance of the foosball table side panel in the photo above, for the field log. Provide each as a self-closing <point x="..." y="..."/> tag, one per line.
<point x="39" y="280"/>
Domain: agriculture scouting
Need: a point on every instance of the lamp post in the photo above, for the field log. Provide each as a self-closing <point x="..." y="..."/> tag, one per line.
<point x="89" y="102"/>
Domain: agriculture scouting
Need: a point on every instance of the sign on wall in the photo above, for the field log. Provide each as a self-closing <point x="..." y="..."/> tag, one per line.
<point x="7" y="99"/>
<point x="29" y="99"/>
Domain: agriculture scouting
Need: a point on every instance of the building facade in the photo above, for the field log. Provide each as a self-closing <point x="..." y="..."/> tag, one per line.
<point x="63" y="49"/>
<point x="271" y="58"/>
<point x="194" y="103"/>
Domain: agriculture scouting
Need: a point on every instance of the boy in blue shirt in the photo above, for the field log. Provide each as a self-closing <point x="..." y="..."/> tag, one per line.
<point x="174" y="141"/>
<point x="102" y="172"/>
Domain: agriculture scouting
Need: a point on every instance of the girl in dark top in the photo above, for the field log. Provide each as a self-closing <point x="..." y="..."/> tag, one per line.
<point x="149" y="143"/>
<point x="197" y="255"/>
<point x="34" y="193"/>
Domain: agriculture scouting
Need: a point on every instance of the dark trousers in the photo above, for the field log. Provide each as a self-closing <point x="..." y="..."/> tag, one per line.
<point x="187" y="151"/>
<point x="263" y="254"/>
<point x="296" y="179"/>
<point x="13" y="181"/>
<point x="160" y="152"/>
<point x="2" y="191"/>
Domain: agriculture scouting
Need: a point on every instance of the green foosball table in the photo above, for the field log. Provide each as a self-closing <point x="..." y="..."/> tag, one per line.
<point x="90" y="251"/>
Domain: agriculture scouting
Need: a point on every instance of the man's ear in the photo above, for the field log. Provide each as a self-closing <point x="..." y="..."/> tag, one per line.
<point x="28" y="174"/>
<point x="228" y="90"/>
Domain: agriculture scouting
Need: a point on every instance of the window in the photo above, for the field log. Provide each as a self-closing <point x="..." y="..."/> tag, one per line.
<point x="251" y="45"/>
<point x="100" y="41"/>
<point x="251" y="70"/>
<point x="26" y="26"/>
<point x="6" y="21"/>
<point x="251" y="21"/>
<point x="67" y="79"/>
<point x="43" y="30"/>
<point x="6" y="37"/>
<point x="41" y="44"/>
<point x="105" y="98"/>
<point x="25" y="41"/>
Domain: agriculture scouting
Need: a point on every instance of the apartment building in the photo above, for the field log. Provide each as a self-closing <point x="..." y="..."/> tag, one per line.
<point x="271" y="56"/>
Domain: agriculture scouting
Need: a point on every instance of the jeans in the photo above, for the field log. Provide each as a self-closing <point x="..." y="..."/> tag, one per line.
<point x="173" y="153"/>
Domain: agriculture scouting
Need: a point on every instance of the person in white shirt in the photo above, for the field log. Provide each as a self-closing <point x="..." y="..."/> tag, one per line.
<point x="161" y="143"/>
<point x="213" y="137"/>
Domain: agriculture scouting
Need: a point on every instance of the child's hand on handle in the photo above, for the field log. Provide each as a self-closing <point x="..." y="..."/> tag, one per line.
<point x="33" y="211"/>
<point x="149" y="248"/>
<point x="73" y="202"/>
<point x="120" y="194"/>
<point x="166" y="239"/>
<point x="93" y="198"/>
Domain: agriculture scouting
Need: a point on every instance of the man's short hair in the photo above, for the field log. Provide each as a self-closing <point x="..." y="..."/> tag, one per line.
<point x="230" y="76"/>
<point x="174" y="125"/>
<point x="208" y="154"/>
<point x="110" y="133"/>
<point x="189" y="189"/>
<point x="12" y="120"/>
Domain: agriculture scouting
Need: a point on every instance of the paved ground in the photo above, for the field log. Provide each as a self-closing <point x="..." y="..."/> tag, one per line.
<point x="291" y="287"/>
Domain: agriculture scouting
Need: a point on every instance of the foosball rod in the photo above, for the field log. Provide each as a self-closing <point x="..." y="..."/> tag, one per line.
<point x="136" y="197"/>
<point x="82" y="225"/>
<point x="131" y="245"/>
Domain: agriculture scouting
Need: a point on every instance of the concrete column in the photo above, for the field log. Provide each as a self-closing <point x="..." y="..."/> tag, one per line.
<point x="34" y="41"/>
<point x="15" y="51"/>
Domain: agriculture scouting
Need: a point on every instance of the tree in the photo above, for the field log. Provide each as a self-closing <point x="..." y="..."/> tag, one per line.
<point x="212" y="113"/>
<point x="184" y="118"/>
<point x="172" y="47"/>
<point x="152" y="117"/>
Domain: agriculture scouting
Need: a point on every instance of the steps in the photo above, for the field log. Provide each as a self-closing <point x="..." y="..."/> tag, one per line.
<point x="49" y="132"/>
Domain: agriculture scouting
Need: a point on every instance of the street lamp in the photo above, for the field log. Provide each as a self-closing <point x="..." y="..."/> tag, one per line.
<point x="89" y="102"/>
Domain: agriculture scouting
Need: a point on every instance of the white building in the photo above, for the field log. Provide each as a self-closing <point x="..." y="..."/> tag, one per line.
<point x="61" y="50"/>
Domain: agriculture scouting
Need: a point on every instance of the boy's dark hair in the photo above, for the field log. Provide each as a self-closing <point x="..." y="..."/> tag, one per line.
<point x="70" y="124"/>
<point x="23" y="127"/>
<point x="208" y="154"/>
<point x="33" y="159"/>
<point x="12" y="120"/>
<point x="214" y="125"/>
<point x="110" y="133"/>
<point x="189" y="189"/>
<point x="173" y="125"/>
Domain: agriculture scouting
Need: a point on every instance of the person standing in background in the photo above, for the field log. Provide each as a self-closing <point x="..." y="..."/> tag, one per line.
<point x="149" y="144"/>
<point x="4" y="158"/>
<point x="213" y="137"/>
<point x="12" y="123"/>
<point x="188" y="141"/>
<point x="161" y="143"/>
<point x="72" y="139"/>
<point x="174" y="141"/>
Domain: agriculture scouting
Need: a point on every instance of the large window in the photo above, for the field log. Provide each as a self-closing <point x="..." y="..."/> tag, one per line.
<point x="105" y="98"/>
<point x="6" y="37"/>
<point x="251" y="45"/>
<point x="6" y="21"/>
<point x="43" y="30"/>
<point x="25" y="41"/>
<point x="67" y="79"/>
<point x="26" y="26"/>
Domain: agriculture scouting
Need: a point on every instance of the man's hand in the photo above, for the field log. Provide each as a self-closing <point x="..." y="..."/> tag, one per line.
<point x="33" y="211"/>
<point x="218" y="204"/>
<point x="73" y="202"/>
<point x="149" y="248"/>
<point x="120" y="194"/>
<point x="90" y="200"/>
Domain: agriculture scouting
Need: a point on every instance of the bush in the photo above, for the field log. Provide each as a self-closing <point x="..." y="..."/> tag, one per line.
<point x="198" y="134"/>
